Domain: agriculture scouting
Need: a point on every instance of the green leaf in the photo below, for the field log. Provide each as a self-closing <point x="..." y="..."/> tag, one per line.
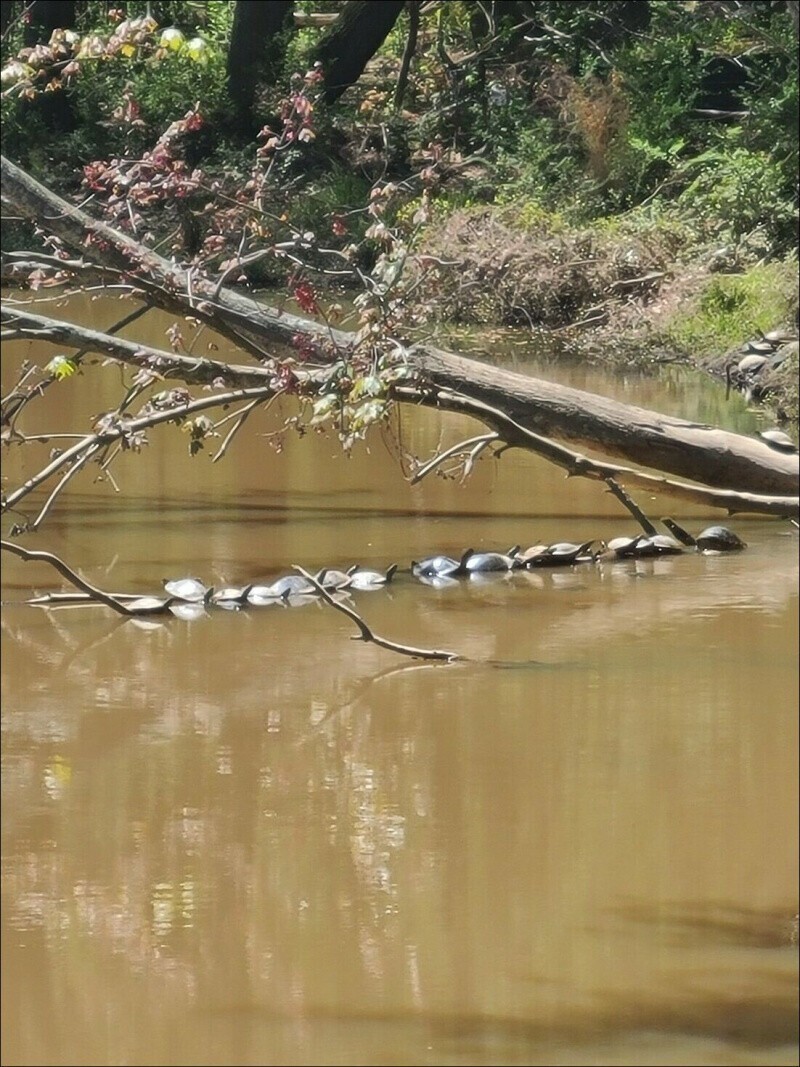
<point x="369" y="385"/>
<point x="61" y="367"/>
<point x="323" y="409"/>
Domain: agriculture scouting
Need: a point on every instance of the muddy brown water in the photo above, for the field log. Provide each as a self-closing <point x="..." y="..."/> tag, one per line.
<point x="249" y="839"/>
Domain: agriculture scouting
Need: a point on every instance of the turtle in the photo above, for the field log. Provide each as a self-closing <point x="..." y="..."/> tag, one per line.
<point x="712" y="539"/>
<point x="482" y="562"/>
<point x="719" y="539"/>
<point x="332" y="579"/>
<point x="150" y="605"/>
<point x="365" y="579"/>
<point x="191" y="590"/>
<point x="527" y="557"/>
<point x="780" y="337"/>
<point x="230" y="597"/>
<point x="564" y="554"/>
<point x="622" y="547"/>
<point x="295" y="584"/>
<point x="757" y="348"/>
<point x="260" y="596"/>
<point x="778" y="440"/>
<point x="440" y="566"/>
<point x="752" y="364"/>
<point x="665" y="545"/>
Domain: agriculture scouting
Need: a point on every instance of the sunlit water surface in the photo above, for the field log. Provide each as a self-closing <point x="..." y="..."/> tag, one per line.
<point x="249" y="839"/>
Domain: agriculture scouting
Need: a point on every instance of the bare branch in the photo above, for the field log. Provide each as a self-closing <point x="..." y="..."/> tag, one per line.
<point x="122" y="429"/>
<point x="628" y="502"/>
<point x="70" y="473"/>
<point x="579" y="465"/>
<point x="190" y="369"/>
<point x="368" y="635"/>
<point x="473" y="445"/>
<point x="245" y="411"/>
<point x="92" y="591"/>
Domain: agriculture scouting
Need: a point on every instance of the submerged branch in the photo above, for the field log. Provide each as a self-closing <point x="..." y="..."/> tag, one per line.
<point x="368" y="635"/>
<point x="80" y="583"/>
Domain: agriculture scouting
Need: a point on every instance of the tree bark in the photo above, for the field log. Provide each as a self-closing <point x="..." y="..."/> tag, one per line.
<point x="695" y="451"/>
<point x="46" y="16"/>
<point x="253" y="52"/>
<point x="412" y="7"/>
<point x="352" y="41"/>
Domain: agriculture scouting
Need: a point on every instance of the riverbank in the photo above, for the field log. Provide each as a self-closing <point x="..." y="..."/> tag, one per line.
<point x="626" y="291"/>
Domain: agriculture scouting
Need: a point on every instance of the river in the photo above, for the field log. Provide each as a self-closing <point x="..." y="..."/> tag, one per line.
<point x="248" y="839"/>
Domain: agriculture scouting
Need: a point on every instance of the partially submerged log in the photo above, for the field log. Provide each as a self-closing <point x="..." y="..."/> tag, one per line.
<point x="701" y="453"/>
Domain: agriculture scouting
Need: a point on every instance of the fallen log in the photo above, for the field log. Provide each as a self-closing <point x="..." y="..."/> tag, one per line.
<point x="698" y="452"/>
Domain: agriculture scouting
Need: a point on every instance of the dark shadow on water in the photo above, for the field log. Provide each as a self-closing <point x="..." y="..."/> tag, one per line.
<point x="705" y="923"/>
<point x="766" y="1020"/>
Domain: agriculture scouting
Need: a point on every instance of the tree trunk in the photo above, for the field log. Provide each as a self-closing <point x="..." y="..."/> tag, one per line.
<point x="46" y="16"/>
<point x="55" y="108"/>
<point x="412" y="7"/>
<point x="253" y="54"/>
<point x="440" y="379"/>
<point x="6" y="11"/>
<point x="353" y="40"/>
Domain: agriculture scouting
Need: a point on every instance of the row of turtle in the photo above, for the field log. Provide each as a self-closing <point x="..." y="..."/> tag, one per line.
<point x="295" y="589"/>
<point x="752" y="363"/>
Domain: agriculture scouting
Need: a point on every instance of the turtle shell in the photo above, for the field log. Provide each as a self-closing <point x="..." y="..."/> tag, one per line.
<point x="624" y="547"/>
<point x="757" y="348"/>
<point x="365" y="579"/>
<point x="780" y="337"/>
<point x="779" y="440"/>
<point x="191" y="590"/>
<point x="665" y="545"/>
<point x="435" y="566"/>
<point x="752" y="364"/>
<point x="488" y="561"/>
<point x="719" y="539"/>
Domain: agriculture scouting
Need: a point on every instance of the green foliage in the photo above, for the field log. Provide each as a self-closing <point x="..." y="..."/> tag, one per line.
<point x="61" y="367"/>
<point x="162" y="83"/>
<point x="587" y="115"/>
<point x="739" y="191"/>
<point x="733" y="307"/>
<point x="339" y="192"/>
<point x="543" y="170"/>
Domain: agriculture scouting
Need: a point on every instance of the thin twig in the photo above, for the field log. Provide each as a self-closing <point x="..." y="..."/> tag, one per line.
<point x="368" y="635"/>
<point x="70" y="473"/>
<point x="243" y="413"/>
<point x="124" y="428"/>
<point x="480" y="442"/>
